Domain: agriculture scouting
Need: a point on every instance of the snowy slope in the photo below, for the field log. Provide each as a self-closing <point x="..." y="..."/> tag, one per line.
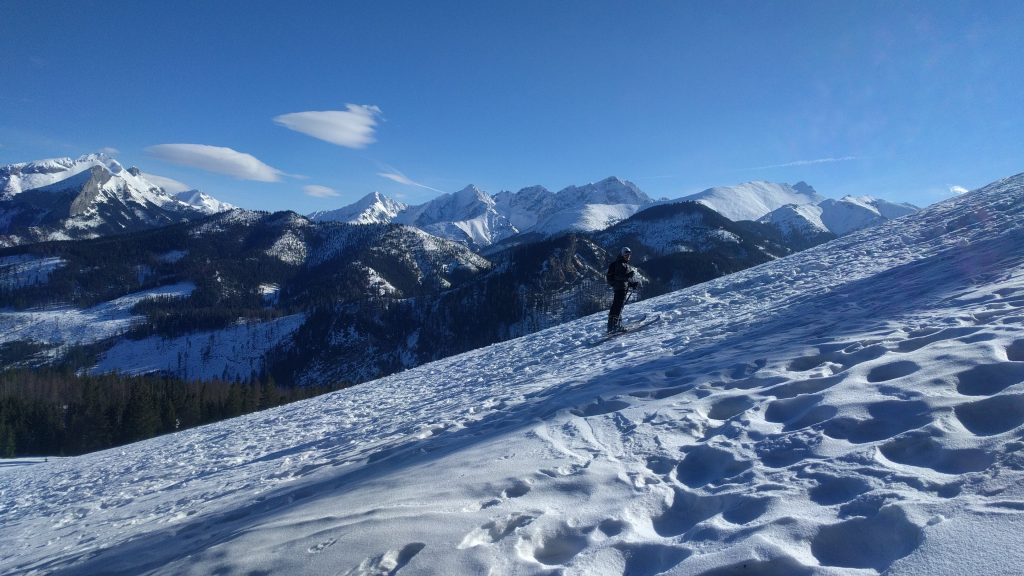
<point x="855" y="212"/>
<point x="852" y="409"/>
<point x="752" y="200"/>
<point x="802" y="219"/>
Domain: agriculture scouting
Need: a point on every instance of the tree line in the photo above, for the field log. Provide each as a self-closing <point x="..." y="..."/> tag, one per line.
<point x="51" y="412"/>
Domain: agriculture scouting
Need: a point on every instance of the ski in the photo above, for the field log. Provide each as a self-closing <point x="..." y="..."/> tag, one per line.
<point x="633" y="326"/>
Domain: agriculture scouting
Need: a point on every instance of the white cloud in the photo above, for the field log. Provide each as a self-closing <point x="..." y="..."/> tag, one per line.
<point x="216" y="159"/>
<point x="170" y="185"/>
<point x="808" y="162"/>
<point x="958" y="190"/>
<point x="320" y="191"/>
<point x="109" y="151"/>
<point x="397" y="176"/>
<point x="353" y="128"/>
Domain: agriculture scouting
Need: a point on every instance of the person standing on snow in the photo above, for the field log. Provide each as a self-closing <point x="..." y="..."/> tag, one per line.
<point x="620" y="276"/>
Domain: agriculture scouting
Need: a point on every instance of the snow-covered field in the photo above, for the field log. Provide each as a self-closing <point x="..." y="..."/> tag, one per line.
<point x="235" y="352"/>
<point x="854" y="409"/>
<point x="26" y="270"/>
<point x="65" y="325"/>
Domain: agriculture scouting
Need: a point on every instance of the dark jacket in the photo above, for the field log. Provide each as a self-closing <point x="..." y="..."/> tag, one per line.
<point x="619" y="274"/>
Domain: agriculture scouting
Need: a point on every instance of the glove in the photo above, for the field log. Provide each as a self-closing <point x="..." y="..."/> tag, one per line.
<point x="634" y="284"/>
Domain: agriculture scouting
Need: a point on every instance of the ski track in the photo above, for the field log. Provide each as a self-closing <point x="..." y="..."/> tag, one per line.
<point x="852" y="409"/>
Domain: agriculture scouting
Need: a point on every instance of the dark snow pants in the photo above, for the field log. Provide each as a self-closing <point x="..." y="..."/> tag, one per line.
<point x="614" y="315"/>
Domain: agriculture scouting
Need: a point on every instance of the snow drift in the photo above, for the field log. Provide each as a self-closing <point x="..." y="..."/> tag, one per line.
<point x="855" y="408"/>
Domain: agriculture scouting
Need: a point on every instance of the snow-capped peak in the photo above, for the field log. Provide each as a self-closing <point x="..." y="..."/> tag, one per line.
<point x="590" y="207"/>
<point x="374" y="208"/>
<point x="468" y="215"/>
<point x="752" y="200"/>
<point x="92" y="195"/>
<point x="203" y="201"/>
<point x="802" y="219"/>
<point x="466" y="204"/>
<point x="16" y="178"/>
<point x="611" y="190"/>
<point x="855" y="212"/>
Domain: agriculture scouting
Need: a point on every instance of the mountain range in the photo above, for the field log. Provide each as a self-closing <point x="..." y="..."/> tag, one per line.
<point x="480" y="220"/>
<point x="94" y="195"/>
<point x="189" y="286"/>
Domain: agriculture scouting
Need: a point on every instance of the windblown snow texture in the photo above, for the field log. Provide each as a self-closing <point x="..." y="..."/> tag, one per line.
<point x="852" y="409"/>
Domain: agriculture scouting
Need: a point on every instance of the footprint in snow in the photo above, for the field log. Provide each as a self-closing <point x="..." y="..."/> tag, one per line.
<point x="989" y="379"/>
<point x="495" y="530"/>
<point x="993" y="415"/>
<point x="600" y="406"/>
<point x="805" y="386"/>
<point x="847" y="357"/>
<point x="562" y="471"/>
<point x="922" y="450"/>
<point x="650" y="559"/>
<point x="321" y="546"/>
<point x="739" y="371"/>
<point x="1015" y="351"/>
<point x="388" y="563"/>
<point x="921" y="338"/>
<point x="832" y="490"/>
<point x="518" y="488"/>
<point x="799" y="412"/>
<point x="888" y="418"/>
<point x="704" y="465"/>
<point x="889" y="535"/>
<point x="726" y="408"/>
<point x="689" y="509"/>
<point x="892" y="371"/>
<point x="754" y="382"/>
<point x="558" y="546"/>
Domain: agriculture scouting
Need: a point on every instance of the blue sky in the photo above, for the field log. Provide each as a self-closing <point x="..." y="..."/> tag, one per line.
<point x="311" y="105"/>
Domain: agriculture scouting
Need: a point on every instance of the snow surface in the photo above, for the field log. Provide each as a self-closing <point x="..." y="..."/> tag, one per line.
<point x="852" y="409"/>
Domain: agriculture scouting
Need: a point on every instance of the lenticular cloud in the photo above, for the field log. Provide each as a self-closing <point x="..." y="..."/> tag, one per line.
<point x="353" y="128"/>
<point x="216" y="159"/>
